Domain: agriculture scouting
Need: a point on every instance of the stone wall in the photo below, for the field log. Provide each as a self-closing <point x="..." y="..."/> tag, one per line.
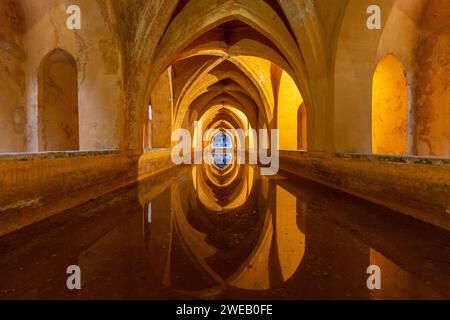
<point x="418" y="187"/>
<point x="432" y="110"/>
<point x="34" y="187"/>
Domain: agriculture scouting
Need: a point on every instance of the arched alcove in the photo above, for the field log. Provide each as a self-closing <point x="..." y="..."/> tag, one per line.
<point x="389" y="108"/>
<point x="58" y="102"/>
<point x="222" y="152"/>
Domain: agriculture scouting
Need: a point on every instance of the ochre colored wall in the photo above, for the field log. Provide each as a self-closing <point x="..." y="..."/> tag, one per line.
<point x="35" y="187"/>
<point x="162" y="112"/>
<point x="302" y="129"/>
<point x="148" y="129"/>
<point x="12" y="79"/>
<point x="389" y="108"/>
<point x="58" y="103"/>
<point x="397" y="184"/>
<point x="432" y="96"/>
<point x="97" y="49"/>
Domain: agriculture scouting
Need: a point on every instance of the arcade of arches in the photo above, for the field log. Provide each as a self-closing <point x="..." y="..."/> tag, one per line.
<point x="361" y="113"/>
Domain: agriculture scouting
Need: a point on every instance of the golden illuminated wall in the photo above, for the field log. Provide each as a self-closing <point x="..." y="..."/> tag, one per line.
<point x="432" y="94"/>
<point x="148" y="129"/>
<point x="289" y="101"/>
<point x="58" y="102"/>
<point x="260" y="70"/>
<point x="389" y="108"/>
<point x="33" y="29"/>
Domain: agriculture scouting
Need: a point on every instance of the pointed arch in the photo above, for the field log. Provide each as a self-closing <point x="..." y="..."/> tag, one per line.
<point x="389" y="108"/>
<point x="58" y="102"/>
<point x="197" y="20"/>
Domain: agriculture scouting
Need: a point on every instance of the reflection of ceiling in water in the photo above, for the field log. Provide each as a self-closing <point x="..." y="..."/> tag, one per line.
<point x="227" y="237"/>
<point x="222" y="191"/>
<point x="170" y="246"/>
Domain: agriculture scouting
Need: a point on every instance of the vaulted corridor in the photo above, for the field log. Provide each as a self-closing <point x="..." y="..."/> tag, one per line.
<point x="227" y="149"/>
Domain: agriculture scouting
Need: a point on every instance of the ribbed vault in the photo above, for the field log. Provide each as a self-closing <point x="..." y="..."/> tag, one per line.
<point x="229" y="53"/>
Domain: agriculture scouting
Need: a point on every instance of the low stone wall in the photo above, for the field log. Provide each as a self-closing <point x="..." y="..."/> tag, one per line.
<point x="418" y="187"/>
<point x="36" y="186"/>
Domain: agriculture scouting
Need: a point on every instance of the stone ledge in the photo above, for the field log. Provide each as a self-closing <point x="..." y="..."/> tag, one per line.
<point x="396" y="159"/>
<point x="43" y="185"/>
<point x="415" y="188"/>
<point x="425" y="160"/>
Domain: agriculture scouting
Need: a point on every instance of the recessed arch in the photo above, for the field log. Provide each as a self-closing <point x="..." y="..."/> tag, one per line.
<point x="58" y="102"/>
<point x="389" y="108"/>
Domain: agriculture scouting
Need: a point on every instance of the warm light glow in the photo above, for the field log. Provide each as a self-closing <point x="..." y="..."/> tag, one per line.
<point x="290" y="240"/>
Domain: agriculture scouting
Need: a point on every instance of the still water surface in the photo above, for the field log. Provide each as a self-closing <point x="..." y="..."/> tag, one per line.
<point x="226" y="234"/>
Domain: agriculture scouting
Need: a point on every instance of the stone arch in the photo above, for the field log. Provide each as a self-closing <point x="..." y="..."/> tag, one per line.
<point x="243" y="105"/>
<point x="58" y="102"/>
<point x="196" y="20"/>
<point x="389" y="108"/>
<point x="243" y="78"/>
<point x="358" y="51"/>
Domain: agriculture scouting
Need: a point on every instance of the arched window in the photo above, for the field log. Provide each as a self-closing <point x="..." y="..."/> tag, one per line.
<point x="222" y="150"/>
<point x="58" y="102"/>
<point x="389" y="108"/>
<point x="302" y="131"/>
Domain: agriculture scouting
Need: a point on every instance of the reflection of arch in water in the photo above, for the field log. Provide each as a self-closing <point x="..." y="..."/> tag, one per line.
<point x="241" y="179"/>
<point x="58" y="102"/>
<point x="222" y="178"/>
<point x="222" y="150"/>
<point x="278" y="231"/>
